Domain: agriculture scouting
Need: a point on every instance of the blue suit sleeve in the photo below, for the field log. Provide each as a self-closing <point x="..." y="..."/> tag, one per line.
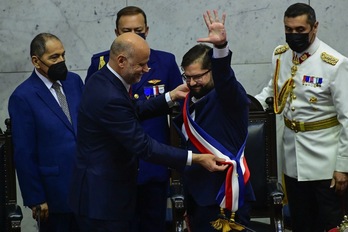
<point x="25" y="153"/>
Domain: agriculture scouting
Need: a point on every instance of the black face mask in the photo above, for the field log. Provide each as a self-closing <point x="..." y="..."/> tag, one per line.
<point x="298" y="42"/>
<point x="142" y="35"/>
<point x="57" y="71"/>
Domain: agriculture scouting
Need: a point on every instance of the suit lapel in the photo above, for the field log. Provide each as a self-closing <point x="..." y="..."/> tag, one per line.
<point x="69" y="91"/>
<point x="201" y="107"/>
<point x="46" y="96"/>
<point x="119" y="87"/>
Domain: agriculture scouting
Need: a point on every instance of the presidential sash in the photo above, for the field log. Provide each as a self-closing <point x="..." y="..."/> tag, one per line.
<point x="231" y="193"/>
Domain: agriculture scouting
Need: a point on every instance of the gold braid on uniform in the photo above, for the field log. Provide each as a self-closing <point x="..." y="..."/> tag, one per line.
<point x="280" y="98"/>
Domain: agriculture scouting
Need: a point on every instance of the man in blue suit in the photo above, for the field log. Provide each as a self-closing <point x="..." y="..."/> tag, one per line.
<point x="111" y="140"/>
<point x="44" y="133"/>
<point x="217" y="116"/>
<point x="163" y="76"/>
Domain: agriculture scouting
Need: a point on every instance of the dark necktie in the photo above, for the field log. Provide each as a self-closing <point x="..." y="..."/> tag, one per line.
<point x="62" y="100"/>
<point x="130" y="91"/>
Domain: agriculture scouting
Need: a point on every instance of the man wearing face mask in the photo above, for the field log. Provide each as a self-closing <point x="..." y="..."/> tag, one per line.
<point x="309" y="88"/>
<point x="43" y="111"/>
<point x="163" y="76"/>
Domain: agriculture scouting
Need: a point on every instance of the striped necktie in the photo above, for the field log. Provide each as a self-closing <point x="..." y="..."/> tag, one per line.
<point x="62" y="100"/>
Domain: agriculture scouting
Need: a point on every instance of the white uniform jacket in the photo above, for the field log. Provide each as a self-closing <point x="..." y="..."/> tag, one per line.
<point x="319" y="91"/>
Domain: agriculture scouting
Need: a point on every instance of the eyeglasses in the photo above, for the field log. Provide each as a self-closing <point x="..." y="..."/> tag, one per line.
<point x="195" y="78"/>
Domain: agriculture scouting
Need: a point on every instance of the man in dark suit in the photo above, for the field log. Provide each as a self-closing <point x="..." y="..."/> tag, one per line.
<point x="217" y="121"/>
<point x="111" y="139"/>
<point x="44" y="133"/>
<point x="163" y="76"/>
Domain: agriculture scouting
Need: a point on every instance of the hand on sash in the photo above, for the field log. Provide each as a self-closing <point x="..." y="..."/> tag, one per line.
<point x="209" y="162"/>
<point x="179" y="92"/>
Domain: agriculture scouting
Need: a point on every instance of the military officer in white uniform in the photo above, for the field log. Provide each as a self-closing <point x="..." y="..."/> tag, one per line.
<point x="309" y="86"/>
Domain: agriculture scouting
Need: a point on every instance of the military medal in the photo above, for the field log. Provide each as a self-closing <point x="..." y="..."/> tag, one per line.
<point x="148" y="91"/>
<point x="312" y="81"/>
<point x="154" y="81"/>
<point x="154" y="90"/>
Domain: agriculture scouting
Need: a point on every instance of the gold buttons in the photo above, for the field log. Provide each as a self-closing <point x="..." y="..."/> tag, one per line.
<point x="313" y="100"/>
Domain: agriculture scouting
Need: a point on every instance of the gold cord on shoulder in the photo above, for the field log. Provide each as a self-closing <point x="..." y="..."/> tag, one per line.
<point x="101" y="62"/>
<point x="280" y="98"/>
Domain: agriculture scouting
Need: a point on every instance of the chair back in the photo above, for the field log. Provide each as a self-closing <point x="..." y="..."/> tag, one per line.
<point x="261" y="150"/>
<point x="10" y="213"/>
<point x="261" y="156"/>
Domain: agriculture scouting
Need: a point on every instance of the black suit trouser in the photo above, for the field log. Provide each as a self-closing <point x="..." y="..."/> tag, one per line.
<point x="314" y="206"/>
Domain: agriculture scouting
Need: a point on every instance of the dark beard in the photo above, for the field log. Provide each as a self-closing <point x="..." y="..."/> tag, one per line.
<point x="204" y="91"/>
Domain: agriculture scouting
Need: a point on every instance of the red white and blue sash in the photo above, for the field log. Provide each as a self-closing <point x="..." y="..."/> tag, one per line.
<point x="231" y="193"/>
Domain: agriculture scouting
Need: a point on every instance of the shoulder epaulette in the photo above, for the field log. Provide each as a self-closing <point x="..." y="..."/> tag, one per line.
<point x="281" y="49"/>
<point x="101" y="62"/>
<point x="104" y="53"/>
<point x="329" y="58"/>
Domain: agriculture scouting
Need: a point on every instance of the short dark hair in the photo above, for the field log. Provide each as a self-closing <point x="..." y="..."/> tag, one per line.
<point x="299" y="9"/>
<point x="38" y="44"/>
<point x="130" y="10"/>
<point x="198" y="53"/>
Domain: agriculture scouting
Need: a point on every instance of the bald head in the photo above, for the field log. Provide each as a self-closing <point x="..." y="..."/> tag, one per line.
<point x="128" y="44"/>
<point x="129" y="54"/>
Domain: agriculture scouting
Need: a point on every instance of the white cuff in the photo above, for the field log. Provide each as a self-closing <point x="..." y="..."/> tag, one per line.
<point x="189" y="158"/>
<point x="220" y="52"/>
<point x="169" y="100"/>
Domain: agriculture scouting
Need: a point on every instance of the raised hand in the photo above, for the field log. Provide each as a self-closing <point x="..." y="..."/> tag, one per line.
<point x="216" y="28"/>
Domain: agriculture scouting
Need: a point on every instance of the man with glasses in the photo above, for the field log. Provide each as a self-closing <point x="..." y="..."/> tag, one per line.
<point x="163" y="76"/>
<point x="110" y="140"/>
<point x="218" y="107"/>
<point x="195" y="83"/>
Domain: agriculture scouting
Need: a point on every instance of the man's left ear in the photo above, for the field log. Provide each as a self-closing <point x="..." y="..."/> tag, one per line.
<point x="116" y="32"/>
<point x="121" y="59"/>
<point x="315" y="27"/>
<point x="34" y="61"/>
<point x="147" y="31"/>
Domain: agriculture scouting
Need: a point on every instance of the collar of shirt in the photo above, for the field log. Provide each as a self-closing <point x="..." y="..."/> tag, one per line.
<point x="45" y="80"/>
<point x="311" y="49"/>
<point x="194" y="99"/>
<point x="49" y="84"/>
<point x="127" y="86"/>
